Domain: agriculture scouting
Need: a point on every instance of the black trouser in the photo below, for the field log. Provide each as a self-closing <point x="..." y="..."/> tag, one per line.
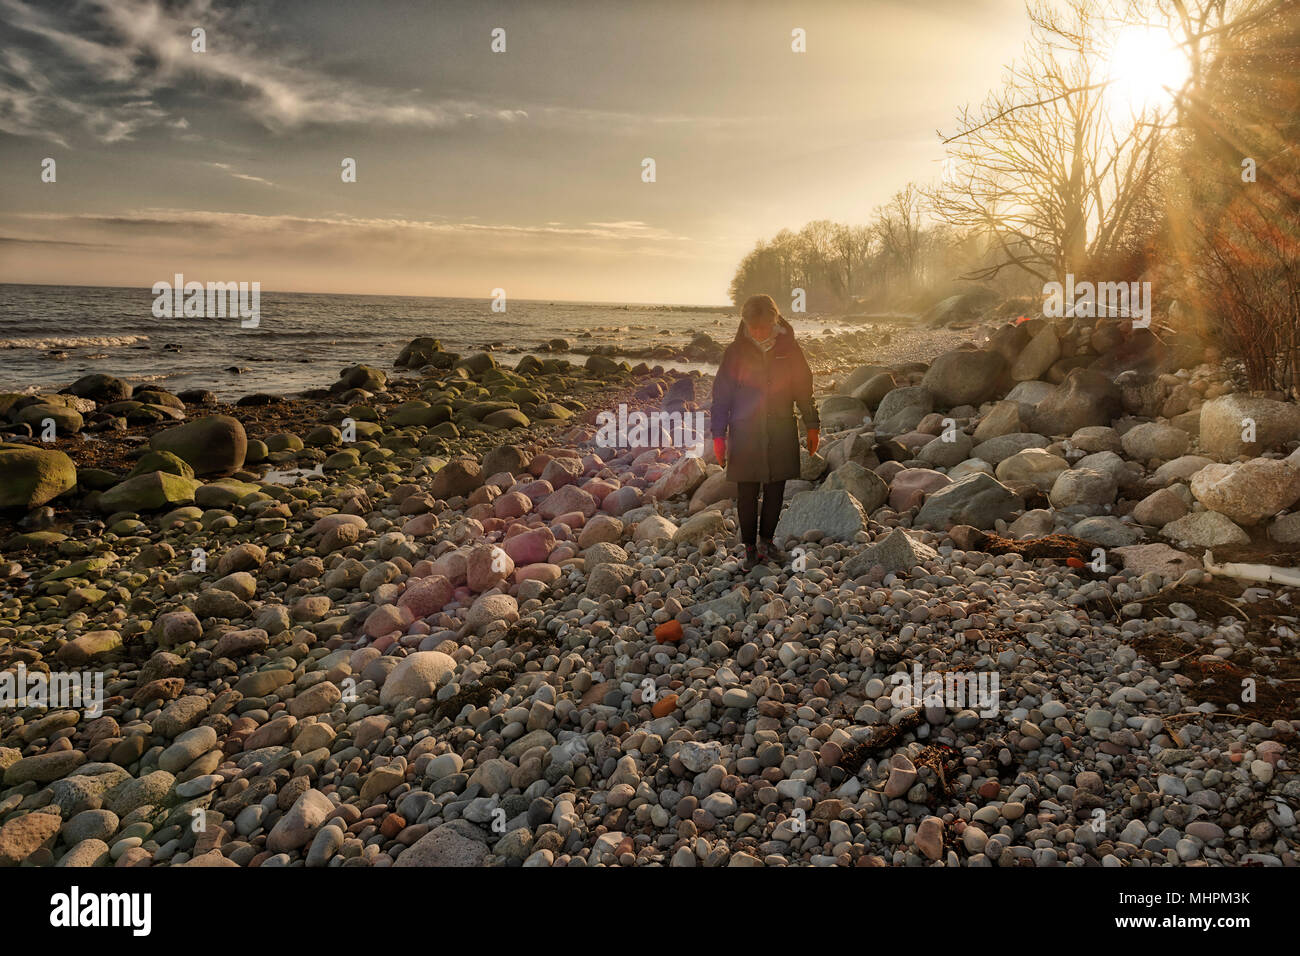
<point x="747" y="509"/>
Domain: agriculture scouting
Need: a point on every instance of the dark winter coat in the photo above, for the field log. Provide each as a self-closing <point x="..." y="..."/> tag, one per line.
<point x="754" y="394"/>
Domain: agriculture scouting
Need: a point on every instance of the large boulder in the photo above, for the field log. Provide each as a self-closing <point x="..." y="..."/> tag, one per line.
<point x="949" y="449"/>
<point x="868" y="487"/>
<point x="841" y="411"/>
<point x="507" y="458"/>
<point x="296" y="828"/>
<point x="417" y="676"/>
<point x="964" y="377"/>
<point x="978" y="500"/>
<point x="1226" y="424"/>
<point x="903" y="408"/>
<point x="1083" y="489"/>
<point x="1248" y="492"/>
<point x="834" y="512"/>
<point x="1035" y="465"/>
<point x="1038" y="356"/>
<point x="897" y="551"/>
<point x="698" y="527"/>
<point x="363" y="377"/>
<point x="490" y="609"/>
<point x="101" y="387"/>
<point x="1155" y="441"/>
<point x="1085" y="398"/>
<point x="213" y="445"/>
<point x="149" y="492"/>
<point x="685" y="475"/>
<point x="67" y="421"/>
<point x="30" y="476"/>
<point x="458" y="478"/>
<point x="1205" y="529"/>
<point x="911" y="486"/>
<point x="999" y="449"/>
<point x="871" y="391"/>
<point x="859" y="377"/>
<point x="711" y="490"/>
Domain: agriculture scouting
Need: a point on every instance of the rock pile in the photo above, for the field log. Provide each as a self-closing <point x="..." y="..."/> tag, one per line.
<point x="460" y="639"/>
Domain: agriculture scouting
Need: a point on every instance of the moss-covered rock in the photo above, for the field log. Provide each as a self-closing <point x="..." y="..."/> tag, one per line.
<point x="31" y="476"/>
<point x="161" y="461"/>
<point x="212" y="445"/>
<point x="148" y="492"/>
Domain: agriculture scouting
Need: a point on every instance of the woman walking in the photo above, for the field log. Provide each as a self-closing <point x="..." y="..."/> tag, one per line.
<point x="762" y="377"/>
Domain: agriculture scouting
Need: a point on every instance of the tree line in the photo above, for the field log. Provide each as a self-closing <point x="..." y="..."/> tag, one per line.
<point x="1197" y="192"/>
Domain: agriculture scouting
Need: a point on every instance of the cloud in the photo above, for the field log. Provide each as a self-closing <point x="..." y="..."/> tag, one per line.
<point x="115" y="60"/>
<point x="235" y="174"/>
<point x="162" y="229"/>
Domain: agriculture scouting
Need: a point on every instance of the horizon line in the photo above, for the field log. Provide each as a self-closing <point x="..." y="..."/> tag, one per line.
<point x="396" y="295"/>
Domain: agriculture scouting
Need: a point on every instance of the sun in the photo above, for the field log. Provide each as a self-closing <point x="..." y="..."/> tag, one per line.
<point x="1146" y="69"/>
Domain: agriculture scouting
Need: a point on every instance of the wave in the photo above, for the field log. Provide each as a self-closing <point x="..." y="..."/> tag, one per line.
<point x="74" y="342"/>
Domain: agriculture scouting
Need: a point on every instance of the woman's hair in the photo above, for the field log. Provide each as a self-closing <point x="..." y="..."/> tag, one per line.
<point x="757" y="306"/>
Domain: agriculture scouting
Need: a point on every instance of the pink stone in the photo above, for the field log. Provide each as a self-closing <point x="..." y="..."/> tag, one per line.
<point x="386" y="619"/>
<point x="479" y="512"/>
<point x="599" y="488"/>
<point x="535" y="490"/>
<point x="562" y="471"/>
<point x="330" y="522"/>
<point x="538" y="465"/>
<point x="451" y="566"/>
<point x="483" y="495"/>
<point x="487" y="567"/>
<point x="361" y="657"/>
<point x="463" y="595"/>
<point x="914" y="441"/>
<point x="531" y="547"/>
<point x="563" y="552"/>
<point x="384" y="643"/>
<point x="493" y="525"/>
<point x="911" y="486"/>
<point x="550" y="573"/>
<point x="425" y="596"/>
<point x="512" y="504"/>
<point x="623" y="500"/>
<point x="571" y="519"/>
<point x="422" y="568"/>
<point x="592" y="463"/>
<point x="420" y="525"/>
<point x="568" y="498"/>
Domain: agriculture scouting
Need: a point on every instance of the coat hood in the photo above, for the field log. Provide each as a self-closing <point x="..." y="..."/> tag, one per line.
<point x="782" y="328"/>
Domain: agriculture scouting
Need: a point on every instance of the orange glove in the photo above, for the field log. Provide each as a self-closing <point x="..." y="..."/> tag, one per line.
<point x="814" y="439"/>
<point x="720" y="450"/>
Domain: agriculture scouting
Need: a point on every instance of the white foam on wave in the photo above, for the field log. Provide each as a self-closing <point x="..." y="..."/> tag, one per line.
<point x="74" y="342"/>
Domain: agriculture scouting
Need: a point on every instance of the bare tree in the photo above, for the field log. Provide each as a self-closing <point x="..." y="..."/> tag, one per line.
<point x="1042" y="167"/>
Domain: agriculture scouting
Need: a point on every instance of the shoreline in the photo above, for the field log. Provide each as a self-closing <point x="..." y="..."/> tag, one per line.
<point x="474" y="611"/>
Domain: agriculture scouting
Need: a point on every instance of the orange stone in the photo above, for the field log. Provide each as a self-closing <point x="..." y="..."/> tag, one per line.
<point x="669" y="632"/>
<point x="664" y="705"/>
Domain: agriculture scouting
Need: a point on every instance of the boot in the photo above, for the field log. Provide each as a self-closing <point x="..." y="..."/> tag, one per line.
<point x="769" y="552"/>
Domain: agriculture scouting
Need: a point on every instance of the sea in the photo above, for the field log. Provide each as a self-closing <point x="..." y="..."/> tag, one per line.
<point x="51" y="335"/>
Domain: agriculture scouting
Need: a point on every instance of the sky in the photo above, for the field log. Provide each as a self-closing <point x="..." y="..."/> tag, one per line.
<point x="475" y="170"/>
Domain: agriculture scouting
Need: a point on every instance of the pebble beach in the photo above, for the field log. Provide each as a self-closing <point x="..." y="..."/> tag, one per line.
<point x="421" y="616"/>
